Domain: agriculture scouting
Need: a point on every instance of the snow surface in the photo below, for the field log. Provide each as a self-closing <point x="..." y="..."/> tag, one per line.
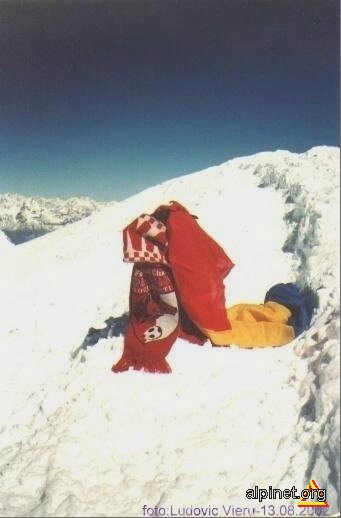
<point x="5" y="243"/>
<point x="78" y="440"/>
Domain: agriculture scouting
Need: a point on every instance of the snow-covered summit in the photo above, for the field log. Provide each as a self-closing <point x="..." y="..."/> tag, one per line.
<point x="24" y="217"/>
<point x="78" y="440"/>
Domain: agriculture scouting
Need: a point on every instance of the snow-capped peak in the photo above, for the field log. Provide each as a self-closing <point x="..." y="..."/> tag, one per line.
<point x="23" y="217"/>
<point x="78" y="440"/>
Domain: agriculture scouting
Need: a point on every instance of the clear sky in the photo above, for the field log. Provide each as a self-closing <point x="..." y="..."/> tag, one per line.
<point x="105" y="98"/>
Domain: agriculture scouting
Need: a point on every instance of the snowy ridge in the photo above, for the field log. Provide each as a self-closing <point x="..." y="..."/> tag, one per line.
<point x="314" y="232"/>
<point x="76" y="440"/>
<point x="5" y="243"/>
<point x="24" y="217"/>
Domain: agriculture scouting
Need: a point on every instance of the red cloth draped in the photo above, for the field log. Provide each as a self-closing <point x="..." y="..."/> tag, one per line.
<point x="175" y="300"/>
<point x="153" y="321"/>
<point x="199" y="266"/>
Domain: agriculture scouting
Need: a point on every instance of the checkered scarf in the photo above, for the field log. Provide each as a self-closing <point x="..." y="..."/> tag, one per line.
<point x="145" y="240"/>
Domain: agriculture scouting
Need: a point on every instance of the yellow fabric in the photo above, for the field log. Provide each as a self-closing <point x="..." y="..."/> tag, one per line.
<point x="255" y="325"/>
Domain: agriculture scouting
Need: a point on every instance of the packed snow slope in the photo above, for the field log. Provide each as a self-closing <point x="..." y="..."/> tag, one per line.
<point x="78" y="440"/>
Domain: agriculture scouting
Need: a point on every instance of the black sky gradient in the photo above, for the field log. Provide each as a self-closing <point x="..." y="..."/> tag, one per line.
<point x="105" y="97"/>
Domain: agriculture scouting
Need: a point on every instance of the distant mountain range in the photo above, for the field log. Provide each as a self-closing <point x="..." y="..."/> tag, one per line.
<point x="23" y="218"/>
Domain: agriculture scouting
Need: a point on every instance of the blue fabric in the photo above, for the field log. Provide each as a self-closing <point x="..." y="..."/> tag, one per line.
<point x="301" y="303"/>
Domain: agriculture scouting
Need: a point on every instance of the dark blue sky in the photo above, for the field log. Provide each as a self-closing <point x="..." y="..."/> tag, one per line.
<point x="104" y="98"/>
